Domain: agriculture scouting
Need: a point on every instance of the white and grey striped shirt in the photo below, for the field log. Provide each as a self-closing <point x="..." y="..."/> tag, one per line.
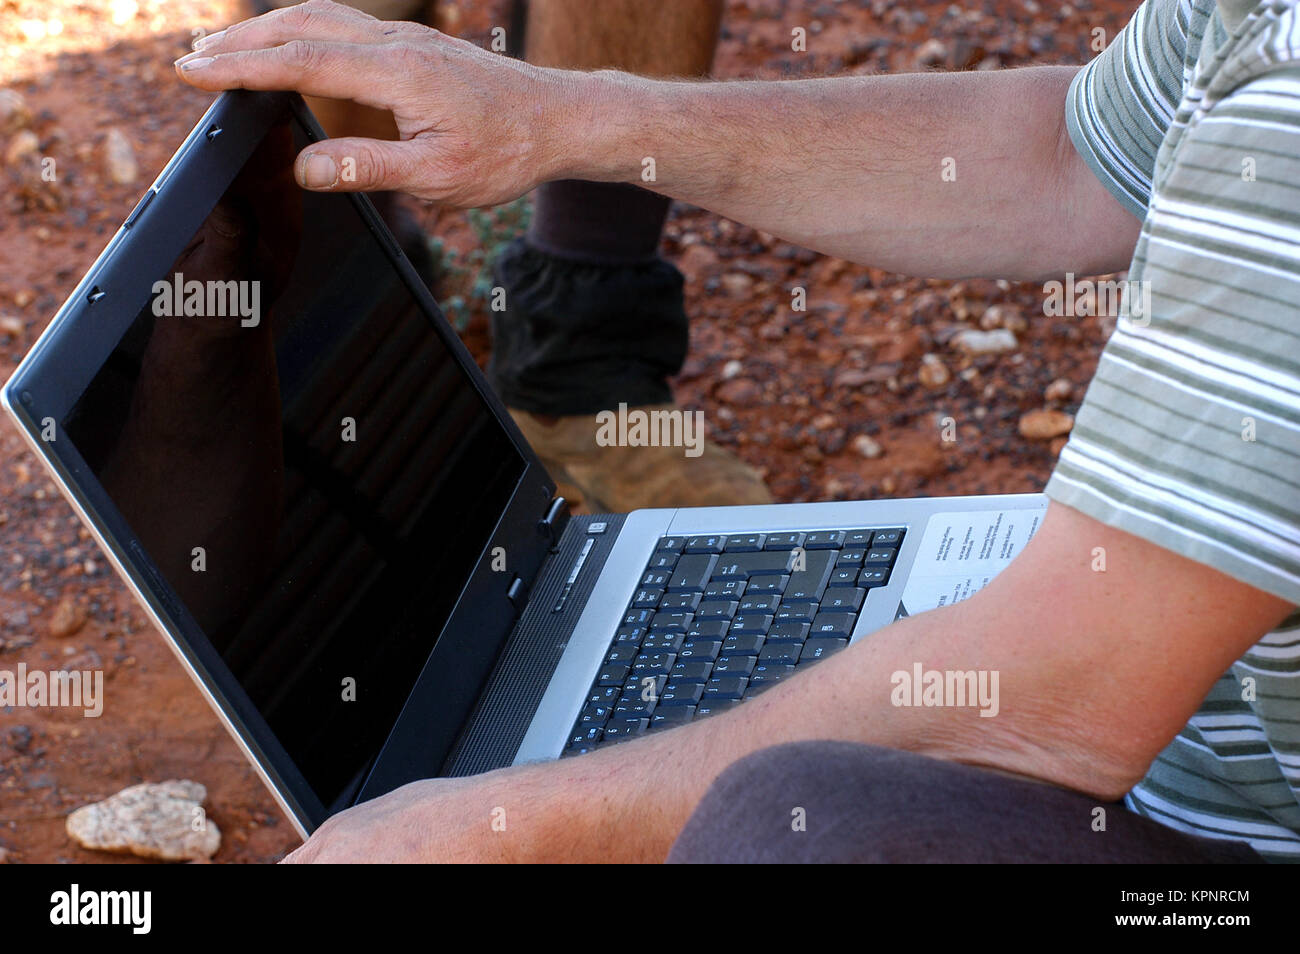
<point x="1190" y="432"/>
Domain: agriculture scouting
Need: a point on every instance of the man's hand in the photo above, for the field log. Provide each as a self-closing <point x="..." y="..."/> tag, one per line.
<point x="473" y="124"/>
<point x="933" y="174"/>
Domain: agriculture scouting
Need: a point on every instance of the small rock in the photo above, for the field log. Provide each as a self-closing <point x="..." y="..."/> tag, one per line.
<point x="67" y="618"/>
<point x="853" y="378"/>
<point x="825" y="422"/>
<point x="934" y="373"/>
<point x="22" y="145"/>
<point x="737" y="284"/>
<point x="151" y="820"/>
<point x="20" y="738"/>
<point x="119" y="158"/>
<point x="998" y="341"/>
<point x="697" y="261"/>
<point x="868" y="446"/>
<point x="1045" y="424"/>
<point x="1003" y="316"/>
<point x="1062" y="389"/>
<point x="12" y="326"/>
<point x="931" y="53"/>
<point x="14" y="113"/>
<point x="732" y="369"/>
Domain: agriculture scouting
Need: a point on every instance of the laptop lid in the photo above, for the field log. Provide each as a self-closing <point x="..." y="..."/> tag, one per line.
<point x="256" y="405"/>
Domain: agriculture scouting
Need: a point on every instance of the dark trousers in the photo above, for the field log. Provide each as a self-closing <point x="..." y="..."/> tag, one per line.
<point x="842" y="802"/>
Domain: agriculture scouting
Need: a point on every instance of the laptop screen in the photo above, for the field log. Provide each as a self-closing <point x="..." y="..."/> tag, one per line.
<point x="303" y="459"/>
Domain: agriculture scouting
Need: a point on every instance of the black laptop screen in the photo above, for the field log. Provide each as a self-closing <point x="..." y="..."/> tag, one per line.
<point x="302" y="458"/>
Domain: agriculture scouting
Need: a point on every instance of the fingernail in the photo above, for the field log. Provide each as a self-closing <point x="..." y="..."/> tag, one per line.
<point x="319" y="172"/>
<point x="209" y="39"/>
<point x="188" y="64"/>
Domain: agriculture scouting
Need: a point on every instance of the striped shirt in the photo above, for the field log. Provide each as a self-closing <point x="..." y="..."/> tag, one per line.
<point x="1190" y="432"/>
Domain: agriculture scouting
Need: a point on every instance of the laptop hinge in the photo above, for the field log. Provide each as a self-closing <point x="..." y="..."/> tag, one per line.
<point x="556" y="519"/>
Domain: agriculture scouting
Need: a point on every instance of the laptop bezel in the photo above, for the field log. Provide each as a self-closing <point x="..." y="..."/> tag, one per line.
<point x="75" y="344"/>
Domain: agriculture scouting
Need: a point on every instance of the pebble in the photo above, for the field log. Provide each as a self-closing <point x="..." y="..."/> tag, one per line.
<point x="1045" y="424"/>
<point x="868" y="446"/>
<point x="997" y="341"/>
<point x="14" y="113"/>
<point x="932" y="52"/>
<point x="67" y="618"/>
<point x="732" y="369"/>
<point x="22" y="145"/>
<point x="12" y="326"/>
<point x="1062" y="389"/>
<point x="741" y="392"/>
<point x="119" y="158"/>
<point x="934" y="373"/>
<point x="150" y="820"/>
<point x="737" y="284"/>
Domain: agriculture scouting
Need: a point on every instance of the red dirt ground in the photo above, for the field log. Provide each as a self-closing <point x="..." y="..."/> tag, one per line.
<point x="789" y="397"/>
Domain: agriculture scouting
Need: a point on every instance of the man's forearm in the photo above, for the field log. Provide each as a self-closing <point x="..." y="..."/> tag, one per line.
<point x="934" y="174"/>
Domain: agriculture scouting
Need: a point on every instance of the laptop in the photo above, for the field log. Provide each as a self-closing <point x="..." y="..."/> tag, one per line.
<point x="254" y="403"/>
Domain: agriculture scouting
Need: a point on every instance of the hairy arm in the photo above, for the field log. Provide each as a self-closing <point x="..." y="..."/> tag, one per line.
<point x="851" y="166"/>
<point x="1093" y="683"/>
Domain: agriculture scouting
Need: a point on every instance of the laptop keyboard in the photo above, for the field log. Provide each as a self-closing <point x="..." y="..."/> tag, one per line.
<point x="716" y="618"/>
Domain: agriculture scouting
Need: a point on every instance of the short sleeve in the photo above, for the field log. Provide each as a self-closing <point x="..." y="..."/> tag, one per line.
<point x="1120" y="106"/>
<point x="1189" y="435"/>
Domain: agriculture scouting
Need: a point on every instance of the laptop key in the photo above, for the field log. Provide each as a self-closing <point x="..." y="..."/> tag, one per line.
<point x="717" y="609"/>
<point x="681" y="694"/>
<point x="671" y="544"/>
<point x="692" y="573"/>
<point x="634" y="707"/>
<point x="879" y="556"/>
<point x="816" y="649"/>
<point x="780" y="654"/>
<point x="824" y="540"/>
<point x="849" y="557"/>
<point x="807" y="585"/>
<point x="588" y="736"/>
<point x="843" y="576"/>
<point x="620" y="731"/>
<point x="768" y="672"/>
<point x="691" y="670"/>
<point x="630" y="634"/>
<point x="735" y="665"/>
<point x="673" y="621"/>
<point x="788" y="632"/>
<point x="663" y="642"/>
<point x="767" y="603"/>
<point x="613" y="674"/>
<point x="857" y="539"/>
<point x="767" y="584"/>
<point x="783" y="541"/>
<point x="662" y="561"/>
<point x="621" y="654"/>
<point x="833" y="624"/>
<point x="700" y="649"/>
<point x="750" y="624"/>
<point x="709" y="629"/>
<point x="742" y="645"/>
<point x="656" y="578"/>
<point x="680" y="601"/>
<point x="638" y="617"/>
<point x="671" y="716"/>
<point x="594" y="714"/>
<point x="647" y="598"/>
<point x="711" y="543"/>
<point x="645" y="687"/>
<point x="846" y="600"/>
<point x="741" y="566"/>
<point x="744" y="543"/>
<point x="887" y="538"/>
<point x="725" y="687"/>
<point x="795" y="613"/>
<point x="873" y="576"/>
<point x="724" y="590"/>
<point x="604" y="695"/>
<point x="653" y="664"/>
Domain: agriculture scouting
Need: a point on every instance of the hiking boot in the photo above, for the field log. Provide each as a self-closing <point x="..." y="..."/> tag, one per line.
<point x="618" y="479"/>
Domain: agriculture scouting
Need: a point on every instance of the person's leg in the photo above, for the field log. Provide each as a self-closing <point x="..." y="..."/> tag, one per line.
<point x="842" y="802"/>
<point x="594" y="318"/>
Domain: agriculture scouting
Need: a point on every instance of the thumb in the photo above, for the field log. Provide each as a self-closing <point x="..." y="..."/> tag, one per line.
<point x="355" y="165"/>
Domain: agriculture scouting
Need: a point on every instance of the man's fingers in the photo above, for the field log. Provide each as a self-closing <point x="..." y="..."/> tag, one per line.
<point x="357" y="165"/>
<point x="305" y="21"/>
<point x="313" y="67"/>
